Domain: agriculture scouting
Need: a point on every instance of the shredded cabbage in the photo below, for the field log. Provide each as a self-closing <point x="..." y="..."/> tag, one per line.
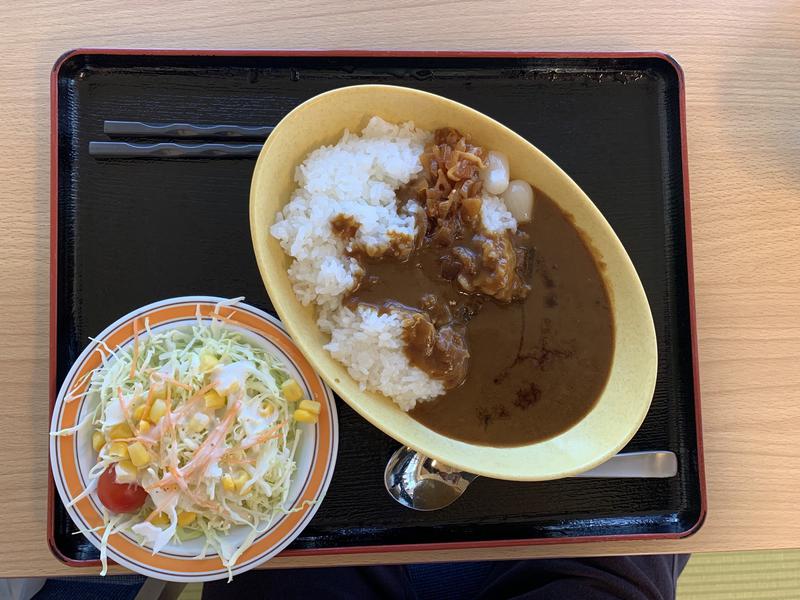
<point x="229" y="466"/>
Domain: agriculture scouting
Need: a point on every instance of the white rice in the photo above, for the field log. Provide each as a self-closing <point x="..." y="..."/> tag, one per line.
<point x="358" y="177"/>
<point x="371" y="347"/>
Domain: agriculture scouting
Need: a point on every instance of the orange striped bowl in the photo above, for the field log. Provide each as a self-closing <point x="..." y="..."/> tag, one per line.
<point x="72" y="456"/>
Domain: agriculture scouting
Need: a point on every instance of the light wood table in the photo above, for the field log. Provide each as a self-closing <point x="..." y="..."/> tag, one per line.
<point x="743" y="95"/>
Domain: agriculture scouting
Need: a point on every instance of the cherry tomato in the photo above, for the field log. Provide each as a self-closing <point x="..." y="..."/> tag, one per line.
<point x="119" y="497"/>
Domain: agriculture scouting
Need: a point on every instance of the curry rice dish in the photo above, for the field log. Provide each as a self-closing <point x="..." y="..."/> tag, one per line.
<point x="468" y="298"/>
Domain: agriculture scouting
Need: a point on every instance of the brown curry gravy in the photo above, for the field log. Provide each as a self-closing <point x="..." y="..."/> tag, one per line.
<point x="516" y="325"/>
<point x="537" y="365"/>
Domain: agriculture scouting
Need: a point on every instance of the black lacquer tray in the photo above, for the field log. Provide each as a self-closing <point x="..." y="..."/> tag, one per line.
<point x="129" y="231"/>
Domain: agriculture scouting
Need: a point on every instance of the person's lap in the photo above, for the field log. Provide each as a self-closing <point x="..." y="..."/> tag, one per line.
<point x="610" y="578"/>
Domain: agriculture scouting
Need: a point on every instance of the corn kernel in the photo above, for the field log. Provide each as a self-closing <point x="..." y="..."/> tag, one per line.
<point x="303" y="416"/>
<point x="158" y="410"/>
<point x="160" y="519"/>
<point x="292" y="390"/>
<point x="186" y="517"/>
<point x="138" y="412"/>
<point x="144" y="426"/>
<point x="311" y="406"/>
<point x="125" y="472"/>
<point x="139" y="454"/>
<point x="121" y="431"/>
<point x="240" y="480"/>
<point x="227" y="482"/>
<point x="214" y="399"/>
<point x="118" y="450"/>
<point x="98" y="441"/>
<point x="265" y="411"/>
<point x="208" y="362"/>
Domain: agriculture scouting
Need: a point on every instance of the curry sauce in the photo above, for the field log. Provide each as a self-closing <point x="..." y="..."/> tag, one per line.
<point x="517" y="325"/>
<point x="536" y="366"/>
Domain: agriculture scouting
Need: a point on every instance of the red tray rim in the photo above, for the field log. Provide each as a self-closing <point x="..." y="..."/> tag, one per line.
<point x="376" y="549"/>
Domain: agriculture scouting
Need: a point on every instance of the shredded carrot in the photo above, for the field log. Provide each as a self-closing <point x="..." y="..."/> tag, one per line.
<point x="240" y="461"/>
<point x="202" y="454"/>
<point x="192" y="400"/>
<point x="74" y="393"/>
<point x="176" y="383"/>
<point x="173" y="457"/>
<point x="136" y="439"/>
<point x="176" y="473"/>
<point x="222" y="317"/>
<point x="231" y="320"/>
<point x="122" y="405"/>
<point x="135" y="358"/>
<point x="174" y="417"/>
<point x="168" y="412"/>
<point x="149" y="400"/>
<point x="270" y="433"/>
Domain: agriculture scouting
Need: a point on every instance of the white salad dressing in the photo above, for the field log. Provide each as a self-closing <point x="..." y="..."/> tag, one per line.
<point x="230" y="379"/>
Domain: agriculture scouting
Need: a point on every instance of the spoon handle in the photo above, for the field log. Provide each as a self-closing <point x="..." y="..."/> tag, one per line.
<point x="649" y="464"/>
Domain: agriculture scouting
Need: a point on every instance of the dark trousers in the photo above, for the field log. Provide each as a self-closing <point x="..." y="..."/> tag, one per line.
<point x="611" y="578"/>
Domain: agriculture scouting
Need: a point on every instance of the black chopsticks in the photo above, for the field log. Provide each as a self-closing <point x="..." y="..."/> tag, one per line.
<point x="172" y="150"/>
<point x="185" y="130"/>
<point x="248" y="134"/>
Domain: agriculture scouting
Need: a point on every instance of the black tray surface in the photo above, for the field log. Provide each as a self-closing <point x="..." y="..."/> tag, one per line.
<point x="133" y="231"/>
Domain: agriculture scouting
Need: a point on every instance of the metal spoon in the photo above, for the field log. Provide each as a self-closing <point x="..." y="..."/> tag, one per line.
<point x="423" y="483"/>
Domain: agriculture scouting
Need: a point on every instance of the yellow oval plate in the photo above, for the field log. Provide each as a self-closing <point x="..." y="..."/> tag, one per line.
<point x="72" y="456"/>
<point x="623" y="405"/>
